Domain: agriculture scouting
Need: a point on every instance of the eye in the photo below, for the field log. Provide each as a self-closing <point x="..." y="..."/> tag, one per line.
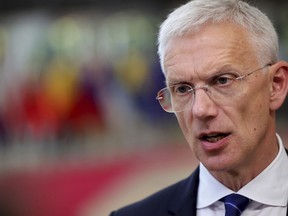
<point x="223" y="79"/>
<point x="181" y="89"/>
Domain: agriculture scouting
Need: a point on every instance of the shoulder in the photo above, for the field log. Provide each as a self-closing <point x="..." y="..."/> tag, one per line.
<point x="148" y="206"/>
<point x="160" y="202"/>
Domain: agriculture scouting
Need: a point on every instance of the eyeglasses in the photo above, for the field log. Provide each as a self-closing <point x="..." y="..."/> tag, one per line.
<point x="220" y="87"/>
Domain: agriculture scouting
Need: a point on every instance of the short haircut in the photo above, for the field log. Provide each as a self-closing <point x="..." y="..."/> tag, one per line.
<point x="190" y="17"/>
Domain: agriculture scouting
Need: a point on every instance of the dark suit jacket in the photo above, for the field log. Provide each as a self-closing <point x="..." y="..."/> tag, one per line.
<point x="179" y="199"/>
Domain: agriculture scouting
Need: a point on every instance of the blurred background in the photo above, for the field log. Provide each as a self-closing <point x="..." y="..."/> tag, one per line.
<point x="81" y="132"/>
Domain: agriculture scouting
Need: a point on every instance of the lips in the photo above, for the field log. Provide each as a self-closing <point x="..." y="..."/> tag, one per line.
<point x="214" y="141"/>
<point x="214" y="137"/>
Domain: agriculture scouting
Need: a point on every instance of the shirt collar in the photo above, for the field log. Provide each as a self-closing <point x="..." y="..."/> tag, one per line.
<point x="275" y="181"/>
<point x="274" y="178"/>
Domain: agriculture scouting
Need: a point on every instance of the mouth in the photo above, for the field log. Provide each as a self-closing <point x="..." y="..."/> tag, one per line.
<point x="213" y="137"/>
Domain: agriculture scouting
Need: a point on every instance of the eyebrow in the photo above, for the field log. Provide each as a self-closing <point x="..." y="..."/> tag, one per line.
<point x="222" y="69"/>
<point x="227" y="68"/>
<point x="175" y="82"/>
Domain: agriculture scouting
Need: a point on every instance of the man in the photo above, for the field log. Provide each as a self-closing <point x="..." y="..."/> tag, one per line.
<point x="224" y="84"/>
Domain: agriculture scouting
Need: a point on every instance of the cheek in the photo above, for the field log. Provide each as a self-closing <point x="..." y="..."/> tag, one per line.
<point x="255" y="113"/>
<point x="182" y="120"/>
<point x="186" y="124"/>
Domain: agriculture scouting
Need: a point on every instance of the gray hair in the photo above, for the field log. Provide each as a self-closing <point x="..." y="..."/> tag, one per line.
<point x="189" y="18"/>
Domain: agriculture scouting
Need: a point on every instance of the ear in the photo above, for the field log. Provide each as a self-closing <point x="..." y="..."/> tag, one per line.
<point x="279" y="87"/>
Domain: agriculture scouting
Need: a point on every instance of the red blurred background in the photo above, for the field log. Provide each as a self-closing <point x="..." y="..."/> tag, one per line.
<point x="81" y="133"/>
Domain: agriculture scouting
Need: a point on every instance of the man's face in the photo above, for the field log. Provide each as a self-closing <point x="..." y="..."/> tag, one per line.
<point x="234" y="134"/>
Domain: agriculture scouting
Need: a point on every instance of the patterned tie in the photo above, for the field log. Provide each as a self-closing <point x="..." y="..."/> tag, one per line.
<point x="235" y="204"/>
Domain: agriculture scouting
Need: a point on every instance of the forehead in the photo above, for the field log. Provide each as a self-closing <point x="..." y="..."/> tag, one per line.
<point x="209" y="50"/>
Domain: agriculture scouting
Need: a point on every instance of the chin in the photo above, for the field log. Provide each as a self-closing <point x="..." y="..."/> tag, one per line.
<point x="218" y="164"/>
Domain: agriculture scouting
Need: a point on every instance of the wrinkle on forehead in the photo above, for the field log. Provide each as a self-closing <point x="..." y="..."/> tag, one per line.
<point x="193" y="56"/>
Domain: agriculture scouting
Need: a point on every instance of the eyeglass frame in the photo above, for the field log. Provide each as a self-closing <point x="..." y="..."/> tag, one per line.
<point x="206" y="87"/>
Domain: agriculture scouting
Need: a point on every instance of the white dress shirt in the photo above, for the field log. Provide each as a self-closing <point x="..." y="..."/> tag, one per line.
<point x="268" y="191"/>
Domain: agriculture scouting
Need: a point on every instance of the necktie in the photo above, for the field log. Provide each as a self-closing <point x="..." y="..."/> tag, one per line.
<point x="235" y="204"/>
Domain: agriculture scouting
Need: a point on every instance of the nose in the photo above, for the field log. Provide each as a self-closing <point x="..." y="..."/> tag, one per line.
<point x="203" y="106"/>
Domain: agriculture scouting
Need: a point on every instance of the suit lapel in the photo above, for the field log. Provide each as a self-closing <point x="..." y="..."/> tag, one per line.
<point x="184" y="200"/>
